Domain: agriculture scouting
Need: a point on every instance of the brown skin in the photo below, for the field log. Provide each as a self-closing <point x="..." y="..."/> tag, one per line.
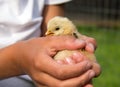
<point x="26" y="57"/>
<point x="58" y="10"/>
<point x="51" y="11"/>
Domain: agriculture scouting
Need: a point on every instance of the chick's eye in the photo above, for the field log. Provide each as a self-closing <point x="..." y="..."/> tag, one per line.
<point x="57" y="28"/>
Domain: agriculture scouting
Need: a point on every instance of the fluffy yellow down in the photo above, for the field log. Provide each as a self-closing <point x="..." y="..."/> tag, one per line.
<point x="63" y="26"/>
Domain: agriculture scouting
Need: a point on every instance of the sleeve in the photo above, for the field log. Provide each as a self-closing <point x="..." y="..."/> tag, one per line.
<point x="52" y="2"/>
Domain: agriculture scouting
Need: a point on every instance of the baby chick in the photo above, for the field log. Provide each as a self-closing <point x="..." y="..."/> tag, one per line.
<point x="63" y="26"/>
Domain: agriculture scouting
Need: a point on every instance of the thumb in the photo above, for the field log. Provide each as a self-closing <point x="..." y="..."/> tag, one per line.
<point x="68" y="43"/>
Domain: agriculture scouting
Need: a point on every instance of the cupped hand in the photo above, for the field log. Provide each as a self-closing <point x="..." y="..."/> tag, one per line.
<point x="77" y="57"/>
<point x="34" y="57"/>
<point x="91" y="43"/>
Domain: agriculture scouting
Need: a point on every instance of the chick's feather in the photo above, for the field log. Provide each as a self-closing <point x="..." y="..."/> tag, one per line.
<point x="63" y="26"/>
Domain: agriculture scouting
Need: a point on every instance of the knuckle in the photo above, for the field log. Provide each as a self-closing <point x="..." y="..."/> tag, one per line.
<point x="92" y="41"/>
<point x="69" y="41"/>
<point x="37" y="64"/>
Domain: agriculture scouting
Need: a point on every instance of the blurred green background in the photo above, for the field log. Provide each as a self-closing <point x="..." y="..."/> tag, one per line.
<point x="108" y="53"/>
<point x="100" y="19"/>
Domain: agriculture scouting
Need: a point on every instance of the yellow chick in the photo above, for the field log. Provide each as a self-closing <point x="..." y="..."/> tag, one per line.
<point x="63" y="26"/>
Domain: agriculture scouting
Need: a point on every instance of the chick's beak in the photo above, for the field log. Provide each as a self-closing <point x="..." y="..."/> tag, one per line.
<point x="49" y="33"/>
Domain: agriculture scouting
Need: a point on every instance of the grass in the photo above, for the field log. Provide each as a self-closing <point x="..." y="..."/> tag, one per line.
<point x="107" y="53"/>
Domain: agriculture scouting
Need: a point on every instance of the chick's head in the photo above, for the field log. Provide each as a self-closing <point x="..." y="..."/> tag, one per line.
<point x="60" y="26"/>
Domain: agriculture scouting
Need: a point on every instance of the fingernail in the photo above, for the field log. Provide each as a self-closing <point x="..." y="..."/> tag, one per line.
<point x="91" y="47"/>
<point x="91" y="74"/>
<point x="78" y="41"/>
<point x="59" y="61"/>
<point x="78" y="56"/>
<point x="69" y="60"/>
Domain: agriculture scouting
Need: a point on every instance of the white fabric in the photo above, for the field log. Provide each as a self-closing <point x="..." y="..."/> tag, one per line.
<point x="21" y="19"/>
<point x="55" y="1"/>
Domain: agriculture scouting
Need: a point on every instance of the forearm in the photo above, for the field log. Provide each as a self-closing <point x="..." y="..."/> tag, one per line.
<point x="49" y="12"/>
<point x="8" y="66"/>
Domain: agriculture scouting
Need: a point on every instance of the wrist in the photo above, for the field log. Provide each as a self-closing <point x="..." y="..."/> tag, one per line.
<point x="8" y="62"/>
